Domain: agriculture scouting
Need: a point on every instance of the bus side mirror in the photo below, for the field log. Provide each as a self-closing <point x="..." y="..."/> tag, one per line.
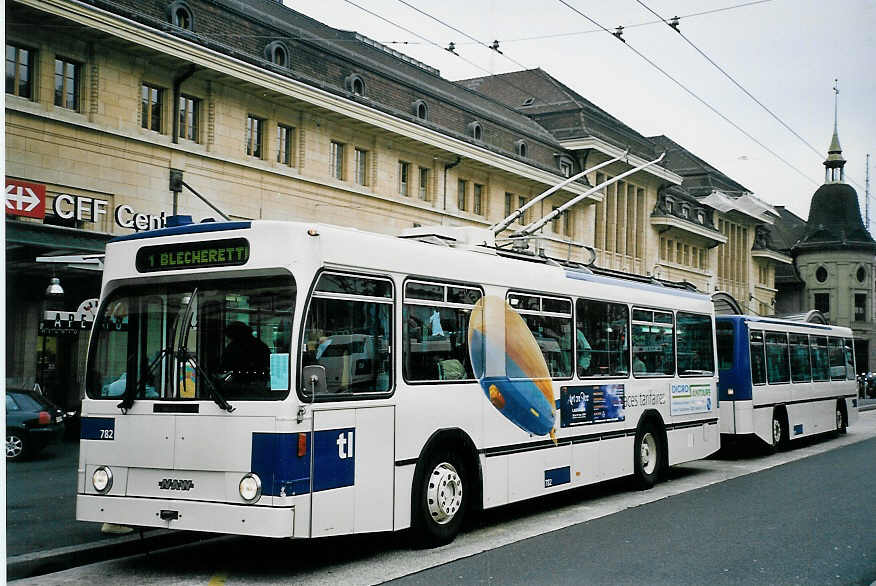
<point x="313" y="379"/>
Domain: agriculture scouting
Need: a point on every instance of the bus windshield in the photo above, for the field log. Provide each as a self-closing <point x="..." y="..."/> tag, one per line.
<point x="221" y="339"/>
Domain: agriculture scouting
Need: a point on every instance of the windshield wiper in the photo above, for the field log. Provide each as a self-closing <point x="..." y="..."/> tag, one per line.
<point x="215" y="393"/>
<point x="132" y="391"/>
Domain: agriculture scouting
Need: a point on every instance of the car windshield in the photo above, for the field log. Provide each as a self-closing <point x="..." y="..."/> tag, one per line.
<point x="218" y="339"/>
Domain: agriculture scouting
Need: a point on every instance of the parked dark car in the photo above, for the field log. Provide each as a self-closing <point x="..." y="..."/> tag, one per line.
<point x="32" y="422"/>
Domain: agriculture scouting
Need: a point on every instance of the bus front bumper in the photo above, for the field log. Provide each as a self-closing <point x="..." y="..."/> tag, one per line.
<point x="187" y="515"/>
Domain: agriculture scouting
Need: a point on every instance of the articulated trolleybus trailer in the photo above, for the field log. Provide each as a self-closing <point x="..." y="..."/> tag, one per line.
<point x="783" y="380"/>
<point x="303" y="380"/>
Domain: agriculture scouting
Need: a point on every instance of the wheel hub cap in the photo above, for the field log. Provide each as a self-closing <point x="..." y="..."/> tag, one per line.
<point x="444" y="493"/>
<point x="13" y="446"/>
<point x="648" y="453"/>
<point x="777" y="432"/>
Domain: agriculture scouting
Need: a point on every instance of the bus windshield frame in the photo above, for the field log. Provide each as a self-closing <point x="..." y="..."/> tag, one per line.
<point x="221" y="339"/>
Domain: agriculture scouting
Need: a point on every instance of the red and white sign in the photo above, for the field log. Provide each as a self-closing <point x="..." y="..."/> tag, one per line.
<point x="25" y="199"/>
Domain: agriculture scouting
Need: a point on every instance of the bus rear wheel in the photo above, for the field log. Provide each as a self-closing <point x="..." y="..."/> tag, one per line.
<point x="647" y="456"/>
<point x="778" y="433"/>
<point x="442" y="498"/>
<point x="840" y="419"/>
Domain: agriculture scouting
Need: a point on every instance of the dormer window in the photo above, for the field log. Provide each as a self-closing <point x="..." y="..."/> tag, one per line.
<point x="701" y="217"/>
<point x="180" y="15"/>
<point x="475" y="130"/>
<point x="566" y="165"/>
<point x="528" y="101"/>
<point x="355" y="84"/>
<point x="685" y="212"/>
<point x="277" y="53"/>
<point x="421" y="110"/>
<point x="521" y="148"/>
<point x="669" y="204"/>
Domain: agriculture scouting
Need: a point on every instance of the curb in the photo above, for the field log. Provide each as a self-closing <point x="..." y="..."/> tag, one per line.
<point x="54" y="560"/>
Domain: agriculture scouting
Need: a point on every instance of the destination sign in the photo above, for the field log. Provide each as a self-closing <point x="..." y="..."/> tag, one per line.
<point x="193" y="255"/>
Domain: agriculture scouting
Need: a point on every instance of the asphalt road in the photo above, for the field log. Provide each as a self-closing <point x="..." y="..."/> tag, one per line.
<point x="657" y="536"/>
<point x="41" y="502"/>
<point x="812" y="521"/>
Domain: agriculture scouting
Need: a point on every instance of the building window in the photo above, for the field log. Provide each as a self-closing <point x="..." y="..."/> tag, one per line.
<point x="509" y="197"/>
<point x="152" y="98"/>
<point x="821" y="274"/>
<point x="475" y="130"/>
<point x="355" y="84"/>
<point x="421" y="110"/>
<point x="189" y="117"/>
<point x="461" y="187"/>
<point x="424" y="183"/>
<point x="361" y="166"/>
<point x="568" y="222"/>
<point x="555" y="223"/>
<point x="285" y="140"/>
<point x="478" y="200"/>
<point x="521" y="148"/>
<point x="254" y="129"/>
<point x="180" y="15"/>
<point x="404" y="178"/>
<point x="67" y="77"/>
<point x="521" y="201"/>
<point x="19" y="71"/>
<point x="822" y="302"/>
<point x="337" y="160"/>
<point x="861" y="274"/>
<point x="566" y="165"/>
<point x="860" y="306"/>
<point x="277" y="54"/>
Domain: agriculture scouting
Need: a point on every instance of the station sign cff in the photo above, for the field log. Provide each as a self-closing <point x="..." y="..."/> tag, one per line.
<point x="193" y="255"/>
<point x="29" y="200"/>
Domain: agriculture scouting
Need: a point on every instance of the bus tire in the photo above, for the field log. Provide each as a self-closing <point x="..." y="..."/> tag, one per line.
<point x="442" y="497"/>
<point x="647" y="456"/>
<point x="840" y="418"/>
<point x="778" y="432"/>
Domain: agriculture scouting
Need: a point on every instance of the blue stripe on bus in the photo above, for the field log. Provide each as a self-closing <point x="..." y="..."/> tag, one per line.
<point x="97" y="428"/>
<point x="187" y="229"/>
<point x="283" y="472"/>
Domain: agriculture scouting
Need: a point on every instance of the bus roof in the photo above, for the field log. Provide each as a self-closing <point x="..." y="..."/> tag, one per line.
<point x="777" y="321"/>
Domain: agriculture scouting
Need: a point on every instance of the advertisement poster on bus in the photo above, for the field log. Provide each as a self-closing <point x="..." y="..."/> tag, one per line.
<point x="588" y="404"/>
<point x="687" y="398"/>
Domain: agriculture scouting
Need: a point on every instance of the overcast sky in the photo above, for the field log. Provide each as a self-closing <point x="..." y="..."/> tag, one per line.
<point x="784" y="52"/>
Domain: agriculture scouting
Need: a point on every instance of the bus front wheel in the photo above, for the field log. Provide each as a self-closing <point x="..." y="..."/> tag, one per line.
<point x="442" y="498"/>
<point x="646" y="456"/>
<point x="778" y="432"/>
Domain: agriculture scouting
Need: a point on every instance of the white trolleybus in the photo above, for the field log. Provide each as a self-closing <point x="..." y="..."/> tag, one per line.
<point x="782" y="380"/>
<point x="304" y="380"/>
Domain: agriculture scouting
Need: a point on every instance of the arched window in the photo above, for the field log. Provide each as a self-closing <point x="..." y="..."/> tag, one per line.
<point x="475" y="130"/>
<point x="861" y="274"/>
<point x="521" y="148"/>
<point x="277" y="53"/>
<point x="420" y="109"/>
<point x="355" y="84"/>
<point x="180" y="14"/>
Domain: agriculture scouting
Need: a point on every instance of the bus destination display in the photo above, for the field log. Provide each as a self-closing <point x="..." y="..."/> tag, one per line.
<point x="193" y="255"/>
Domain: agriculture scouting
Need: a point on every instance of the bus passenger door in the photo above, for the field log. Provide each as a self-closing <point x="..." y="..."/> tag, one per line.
<point x="352" y="478"/>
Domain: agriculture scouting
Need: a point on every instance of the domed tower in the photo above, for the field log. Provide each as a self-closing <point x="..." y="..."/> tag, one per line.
<point x="836" y="258"/>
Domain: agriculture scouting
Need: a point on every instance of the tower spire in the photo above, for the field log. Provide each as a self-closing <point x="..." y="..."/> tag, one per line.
<point x="833" y="166"/>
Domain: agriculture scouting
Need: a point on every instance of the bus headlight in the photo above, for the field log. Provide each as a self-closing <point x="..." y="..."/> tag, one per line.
<point x="250" y="488"/>
<point x="102" y="479"/>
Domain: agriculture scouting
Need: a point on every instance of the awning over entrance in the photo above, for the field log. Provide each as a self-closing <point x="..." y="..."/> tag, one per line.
<point x="26" y="241"/>
<point x="725" y="304"/>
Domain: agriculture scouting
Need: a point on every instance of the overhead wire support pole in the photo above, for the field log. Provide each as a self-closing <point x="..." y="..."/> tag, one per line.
<point x="534" y="226"/>
<point x="499" y="226"/>
<point x="207" y="201"/>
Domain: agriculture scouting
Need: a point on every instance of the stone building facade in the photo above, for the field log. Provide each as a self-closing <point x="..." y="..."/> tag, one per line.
<point x="270" y="114"/>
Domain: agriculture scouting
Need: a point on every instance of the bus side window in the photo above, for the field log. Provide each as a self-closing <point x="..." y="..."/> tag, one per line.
<point x="819" y="354"/>
<point x="695" y="352"/>
<point x="837" y="360"/>
<point x="801" y="371"/>
<point x="550" y="322"/>
<point x="758" y="361"/>
<point x="653" y="335"/>
<point x="778" y="368"/>
<point x="724" y="337"/>
<point x="435" y="332"/>
<point x="349" y="332"/>
<point x="601" y="334"/>
<point x="848" y="346"/>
